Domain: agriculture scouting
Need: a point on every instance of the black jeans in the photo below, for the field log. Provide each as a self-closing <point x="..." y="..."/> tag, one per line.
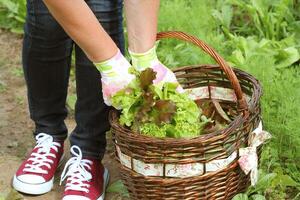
<point x="47" y="53"/>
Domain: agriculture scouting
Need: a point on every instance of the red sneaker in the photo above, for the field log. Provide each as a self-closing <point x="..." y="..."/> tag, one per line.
<point x="36" y="174"/>
<point x="86" y="178"/>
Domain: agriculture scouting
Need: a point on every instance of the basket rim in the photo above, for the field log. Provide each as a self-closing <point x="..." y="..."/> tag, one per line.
<point x="177" y="141"/>
<point x="229" y="72"/>
<point x="235" y="124"/>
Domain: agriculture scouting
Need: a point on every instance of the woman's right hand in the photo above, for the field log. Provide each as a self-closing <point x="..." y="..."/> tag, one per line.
<point x="115" y="76"/>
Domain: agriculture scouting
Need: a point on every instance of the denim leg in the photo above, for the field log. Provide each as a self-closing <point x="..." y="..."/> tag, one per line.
<point x="110" y="15"/>
<point x="91" y="113"/>
<point x="46" y="63"/>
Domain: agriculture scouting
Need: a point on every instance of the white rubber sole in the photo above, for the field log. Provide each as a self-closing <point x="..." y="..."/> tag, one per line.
<point x="34" y="189"/>
<point x="106" y="180"/>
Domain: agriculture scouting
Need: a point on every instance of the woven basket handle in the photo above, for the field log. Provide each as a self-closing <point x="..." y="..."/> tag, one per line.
<point x="242" y="104"/>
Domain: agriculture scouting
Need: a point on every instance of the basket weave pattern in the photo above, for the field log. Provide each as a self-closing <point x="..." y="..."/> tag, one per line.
<point x="222" y="184"/>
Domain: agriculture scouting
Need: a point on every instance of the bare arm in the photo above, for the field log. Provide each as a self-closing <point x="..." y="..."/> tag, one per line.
<point x="141" y="16"/>
<point x="83" y="27"/>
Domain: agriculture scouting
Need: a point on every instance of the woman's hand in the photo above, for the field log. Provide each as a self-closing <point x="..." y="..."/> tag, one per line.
<point x="141" y="61"/>
<point x="142" y="28"/>
<point x="114" y="76"/>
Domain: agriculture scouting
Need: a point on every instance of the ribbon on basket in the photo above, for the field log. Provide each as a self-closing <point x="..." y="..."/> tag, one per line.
<point x="248" y="160"/>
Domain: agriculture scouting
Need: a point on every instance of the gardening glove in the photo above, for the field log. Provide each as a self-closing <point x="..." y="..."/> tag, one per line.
<point x="141" y="61"/>
<point x="114" y="76"/>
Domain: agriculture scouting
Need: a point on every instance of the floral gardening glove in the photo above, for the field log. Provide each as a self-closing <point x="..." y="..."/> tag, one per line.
<point x="114" y="76"/>
<point x="141" y="61"/>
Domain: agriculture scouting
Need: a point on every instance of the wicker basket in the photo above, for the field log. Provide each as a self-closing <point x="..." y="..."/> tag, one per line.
<point x="210" y="160"/>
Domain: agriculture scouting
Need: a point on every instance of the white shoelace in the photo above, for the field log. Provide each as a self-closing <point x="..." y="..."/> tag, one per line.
<point x="40" y="158"/>
<point x="76" y="171"/>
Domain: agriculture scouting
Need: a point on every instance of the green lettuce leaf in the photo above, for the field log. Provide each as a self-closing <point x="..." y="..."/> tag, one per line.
<point x="158" y="111"/>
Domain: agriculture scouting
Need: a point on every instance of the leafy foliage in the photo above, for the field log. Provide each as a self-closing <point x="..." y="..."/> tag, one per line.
<point x="265" y="46"/>
<point x="71" y="101"/>
<point x="11" y="195"/>
<point x="257" y="27"/>
<point x="259" y="36"/>
<point x="270" y="19"/>
<point x="275" y="181"/>
<point x="159" y="112"/>
<point x="118" y="187"/>
<point x="12" y="15"/>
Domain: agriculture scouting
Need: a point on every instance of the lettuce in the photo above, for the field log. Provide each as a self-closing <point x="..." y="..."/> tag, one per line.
<point x="158" y="111"/>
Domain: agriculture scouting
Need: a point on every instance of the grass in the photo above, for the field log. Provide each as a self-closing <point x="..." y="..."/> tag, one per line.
<point x="2" y="87"/>
<point x="17" y="71"/>
<point x="261" y="37"/>
<point x="252" y="51"/>
<point x="12" y="15"/>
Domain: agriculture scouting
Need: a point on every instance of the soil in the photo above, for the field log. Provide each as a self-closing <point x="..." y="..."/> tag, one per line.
<point x="15" y="124"/>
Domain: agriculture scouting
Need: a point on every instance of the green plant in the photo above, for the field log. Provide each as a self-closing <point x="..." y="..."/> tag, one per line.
<point x="11" y="195"/>
<point x="258" y="36"/>
<point x="158" y="111"/>
<point x="2" y="87"/>
<point x="244" y="50"/>
<point x="20" y="100"/>
<point x="12" y="15"/>
<point x="71" y="101"/>
<point x="270" y="19"/>
<point x="119" y="188"/>
<point x="263" y="27"/>
<point x="253" y="42"/>
<point x="267" y="184"/>
<point x="17" y="71"/>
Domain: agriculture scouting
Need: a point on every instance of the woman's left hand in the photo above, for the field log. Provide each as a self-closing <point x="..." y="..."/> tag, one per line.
<point x="142" y="61"/>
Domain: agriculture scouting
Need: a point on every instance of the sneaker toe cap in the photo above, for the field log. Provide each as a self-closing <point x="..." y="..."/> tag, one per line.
<point x="75" y="197"/>
<point x="32" y="179"/>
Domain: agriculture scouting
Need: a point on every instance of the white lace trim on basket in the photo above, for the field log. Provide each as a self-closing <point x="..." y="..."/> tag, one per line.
<point x="215" y="92"/>
<point x="248" y="161"/>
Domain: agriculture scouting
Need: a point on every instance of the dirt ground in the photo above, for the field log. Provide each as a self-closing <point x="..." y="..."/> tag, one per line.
<point x="16" y="128"/>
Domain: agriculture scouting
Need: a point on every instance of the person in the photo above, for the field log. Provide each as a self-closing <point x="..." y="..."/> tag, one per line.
<point x="99" y="47"/>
